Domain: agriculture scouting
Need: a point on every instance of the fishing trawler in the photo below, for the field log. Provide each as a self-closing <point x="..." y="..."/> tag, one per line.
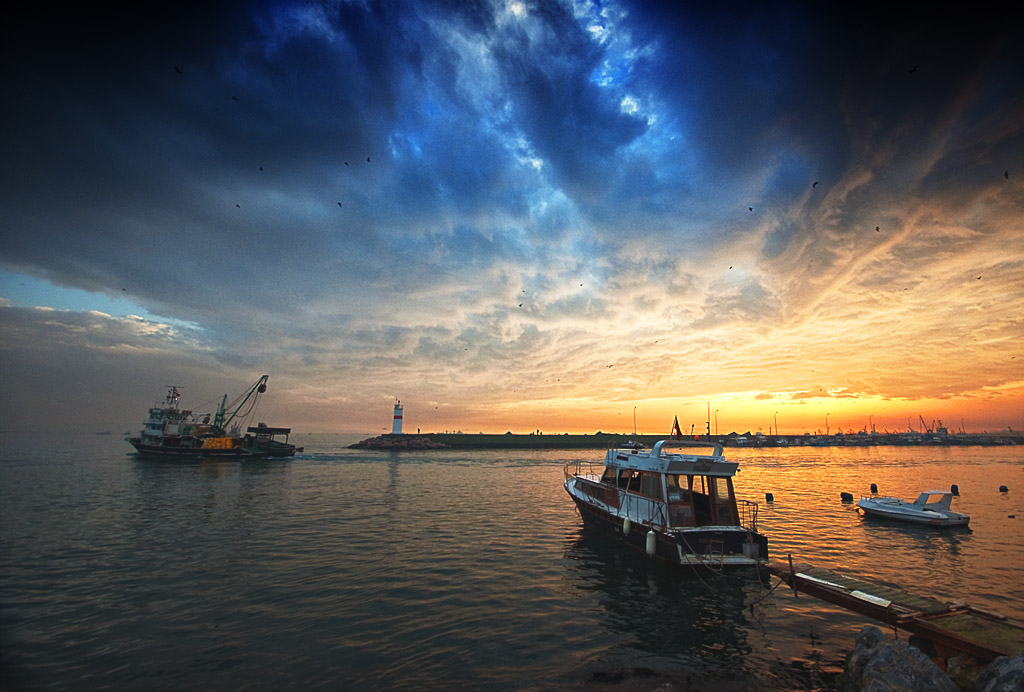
<point x="170" y="431"/>
<point x="676" y="505"/>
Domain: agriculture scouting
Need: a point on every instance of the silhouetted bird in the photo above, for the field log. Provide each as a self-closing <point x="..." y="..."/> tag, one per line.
<point x="239" y="206"/>
<point x="979" y="278"/>
<point x="339" y="204"/>
<point x="877" y="229"/>
<point x="815" y="184"/>
<point x="346" y="163"/>
<point x="520" y="305"/>
<point x="1006" y="174"/>
<point x="234" y="98"/>
<point x="367" y="159"/>
<point x="750" y="208"/>
<point x="915" y="69"/>
<point x="177" y="69"/>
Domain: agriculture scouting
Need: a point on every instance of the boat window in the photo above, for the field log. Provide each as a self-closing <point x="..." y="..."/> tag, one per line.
<point x="650" y="485"/>
<point x="609" y="475"/>
<point x="721" y="490"/>
<point x="676" y="490"/>
<point x="680" y="500"/>
<point x="680" y="514"/>
<point x="633" y="481"/>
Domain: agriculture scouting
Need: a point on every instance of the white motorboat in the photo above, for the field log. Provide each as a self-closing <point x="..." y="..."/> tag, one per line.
<point x="679" y="505"/>
<point x="931" y="508"/>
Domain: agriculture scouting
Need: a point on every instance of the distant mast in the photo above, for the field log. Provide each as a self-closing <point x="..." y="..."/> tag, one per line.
<point x="396" y="427"/>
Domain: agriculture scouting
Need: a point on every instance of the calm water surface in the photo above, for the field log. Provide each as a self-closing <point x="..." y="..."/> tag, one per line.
<point x="353" y="570"/>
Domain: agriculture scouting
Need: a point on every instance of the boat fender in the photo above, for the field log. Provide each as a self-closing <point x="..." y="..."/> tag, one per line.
<point x="625" y="526"/>
<point x="652" y="542"/>
<point x="768" y="497"/>
<point x="955" y="489"/>
<point x="846" y="497"/>
<point x="874" y="489"/>
<point x="1003" y="489"/>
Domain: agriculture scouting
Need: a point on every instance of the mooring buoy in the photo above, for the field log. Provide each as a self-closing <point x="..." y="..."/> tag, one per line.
<point x="955" y="489"/>
<point x="874" y="489"/>
<point x="768" y="497"/>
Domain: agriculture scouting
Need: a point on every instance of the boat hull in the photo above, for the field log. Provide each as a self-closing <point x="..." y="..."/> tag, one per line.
<point x="178" y="452"/>
<point x="710" y="546"/>
<point x="939" y="520"/>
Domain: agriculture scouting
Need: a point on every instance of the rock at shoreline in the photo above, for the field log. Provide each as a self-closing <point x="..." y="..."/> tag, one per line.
<point x="410" y="442"/>
<point x="880" y="664"/>
<point x="1002" y="675"/>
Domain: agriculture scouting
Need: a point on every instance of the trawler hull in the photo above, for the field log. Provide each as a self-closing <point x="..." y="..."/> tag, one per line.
<point x="177" y="452"/>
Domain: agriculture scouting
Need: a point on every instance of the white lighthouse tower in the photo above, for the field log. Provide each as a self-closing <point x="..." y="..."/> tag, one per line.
<point x="396" y="427"/>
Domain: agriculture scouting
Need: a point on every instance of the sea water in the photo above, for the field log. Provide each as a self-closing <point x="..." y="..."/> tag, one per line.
<point x="358" y="570"/>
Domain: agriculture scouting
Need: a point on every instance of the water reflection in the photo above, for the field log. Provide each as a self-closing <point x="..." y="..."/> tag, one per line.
<point x="700" y="619"/>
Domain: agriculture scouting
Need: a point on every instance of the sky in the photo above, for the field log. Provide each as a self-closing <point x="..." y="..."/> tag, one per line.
<point x="514" y="216"/>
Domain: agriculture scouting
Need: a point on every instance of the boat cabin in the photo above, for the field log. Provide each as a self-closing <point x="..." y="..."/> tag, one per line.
<point x="686" y="489"/>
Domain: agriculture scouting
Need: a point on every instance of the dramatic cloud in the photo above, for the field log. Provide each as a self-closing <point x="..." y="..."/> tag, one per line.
<point x="513" y="214"/>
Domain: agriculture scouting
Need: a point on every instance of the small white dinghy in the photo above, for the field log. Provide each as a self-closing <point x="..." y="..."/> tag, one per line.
<point x="931" y="508"/>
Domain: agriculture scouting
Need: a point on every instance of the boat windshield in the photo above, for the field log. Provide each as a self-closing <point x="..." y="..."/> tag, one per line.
<point x="700" y="501"/>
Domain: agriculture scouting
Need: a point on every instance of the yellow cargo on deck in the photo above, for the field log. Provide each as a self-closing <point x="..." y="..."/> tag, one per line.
<point x="220" y="443"/>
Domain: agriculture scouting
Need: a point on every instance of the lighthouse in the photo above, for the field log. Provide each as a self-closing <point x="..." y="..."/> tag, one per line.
<point x="396" y="427"/>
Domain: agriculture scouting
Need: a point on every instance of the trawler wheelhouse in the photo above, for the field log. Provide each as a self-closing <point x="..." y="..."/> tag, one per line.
<point x="681" y="506"/>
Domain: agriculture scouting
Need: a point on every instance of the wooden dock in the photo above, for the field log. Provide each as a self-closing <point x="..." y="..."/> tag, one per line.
<point x="953" y="628"/>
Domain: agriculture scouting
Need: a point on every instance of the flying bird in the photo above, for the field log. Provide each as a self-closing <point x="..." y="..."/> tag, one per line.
<point x="234" y="98"/>
<point x="346" y="163"/>
<point x="177" y="69"/>
<point x="750" y="208"/>
<point x="339" y="204"/>
<point x="915" y="69"/>
<point x="877" y="229"/>
<point x="367" y="159"/>
<point x="815" y="184"/>
<point x="1006" y="174"/>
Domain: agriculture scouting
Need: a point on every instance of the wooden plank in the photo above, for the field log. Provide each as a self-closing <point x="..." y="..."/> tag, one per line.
<point x="952" y="627"/>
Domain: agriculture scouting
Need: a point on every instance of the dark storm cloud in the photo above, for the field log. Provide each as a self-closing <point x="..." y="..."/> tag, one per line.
<point x="571" y="123"/>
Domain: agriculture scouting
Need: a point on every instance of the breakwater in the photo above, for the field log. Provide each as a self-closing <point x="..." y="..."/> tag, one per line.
<point x="602" y="440"/>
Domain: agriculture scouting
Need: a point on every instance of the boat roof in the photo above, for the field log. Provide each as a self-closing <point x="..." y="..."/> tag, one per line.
<point x="266" y="430"/>
<point x="689" y="462"/>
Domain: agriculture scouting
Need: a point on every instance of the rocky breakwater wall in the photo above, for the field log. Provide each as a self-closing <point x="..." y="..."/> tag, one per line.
<point x="881" y="664"/>
<point x="398" y="442"/>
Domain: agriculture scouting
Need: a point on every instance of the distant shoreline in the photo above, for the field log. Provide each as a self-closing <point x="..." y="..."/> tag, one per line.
<point x="603" y="440"/>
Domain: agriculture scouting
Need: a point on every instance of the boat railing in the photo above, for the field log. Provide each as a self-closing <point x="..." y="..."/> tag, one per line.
<point x="587" y="469"/>
<point x="748" y="514"/>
